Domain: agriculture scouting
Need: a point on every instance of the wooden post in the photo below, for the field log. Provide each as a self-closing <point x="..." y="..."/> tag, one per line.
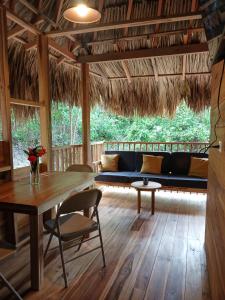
<point x="4" y="85"/>
<point x="85" y="113"/>
<point x="10" y="218"/>
<point x="45" y="98"/>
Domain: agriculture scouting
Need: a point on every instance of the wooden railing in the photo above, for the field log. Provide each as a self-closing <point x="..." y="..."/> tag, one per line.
<point x="65" y="156"/>
<point x="72" y="154"/>
<point x="156" y="146"/>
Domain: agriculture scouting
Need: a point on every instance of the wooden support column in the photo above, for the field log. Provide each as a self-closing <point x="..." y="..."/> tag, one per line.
<point x="45" y="99"/>
<point x="10" y="218"/>
<point x="85" y="113"/>
<point x="4" y="83"/>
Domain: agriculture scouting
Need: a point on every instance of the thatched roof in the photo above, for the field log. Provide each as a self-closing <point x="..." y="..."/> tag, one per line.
<point x="144" y="86"/>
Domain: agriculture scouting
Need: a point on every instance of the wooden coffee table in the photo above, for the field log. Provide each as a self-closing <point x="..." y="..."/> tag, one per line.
<point x="152" y="187"/>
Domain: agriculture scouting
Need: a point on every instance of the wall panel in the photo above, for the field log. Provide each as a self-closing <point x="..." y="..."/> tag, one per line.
<point x="215" y="214"/>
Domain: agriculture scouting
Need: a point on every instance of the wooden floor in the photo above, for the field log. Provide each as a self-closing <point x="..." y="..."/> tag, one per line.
<point x="148" y="257"/>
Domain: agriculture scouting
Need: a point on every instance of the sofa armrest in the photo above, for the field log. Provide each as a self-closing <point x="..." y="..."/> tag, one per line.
<point x="96" y="165"/>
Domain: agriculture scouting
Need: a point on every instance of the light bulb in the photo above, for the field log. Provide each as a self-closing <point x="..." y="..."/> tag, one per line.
<point x="82" y="10"/>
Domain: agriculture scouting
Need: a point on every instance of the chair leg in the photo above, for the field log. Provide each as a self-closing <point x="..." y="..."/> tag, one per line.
<point x="10" y="287"/>
<point x="101" y="242"/>
<point x="49" y="242"/>
<point x="78" y="249"/>
<point x="63" y="263"/>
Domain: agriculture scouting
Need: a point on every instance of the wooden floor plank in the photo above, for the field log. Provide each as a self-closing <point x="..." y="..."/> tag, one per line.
<point x="148" y="257"/>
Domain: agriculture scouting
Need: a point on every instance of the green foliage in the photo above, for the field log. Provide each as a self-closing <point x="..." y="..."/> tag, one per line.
<point x="186" y="126"/>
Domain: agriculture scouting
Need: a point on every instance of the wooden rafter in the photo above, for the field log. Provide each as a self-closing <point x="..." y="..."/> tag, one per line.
<point x="36" y="11"/>
<point x="125" y="24"/>
<point x="187" y="39"/>
<point x="17" y="30"/>
<point x="147" y="36"/>
<point x="58" y="48"/>
<point x="162" y="76"/>
<point x="100" y="8"/>
<point x="154" y="41"/>
<point x="129" y="9"/>
<point x="126" y="70"/>
<point x="22" y="102"/>
<point x="62" y="50"/>
<point x="13" y="17"/>
<point x="59" y="6"/>
<point x="124" y="65"/>
<point x="145" y="53"/>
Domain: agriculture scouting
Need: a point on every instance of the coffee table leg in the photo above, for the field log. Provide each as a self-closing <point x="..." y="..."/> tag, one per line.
<point x="139" y="201"/>
<point x="153" y="202"/>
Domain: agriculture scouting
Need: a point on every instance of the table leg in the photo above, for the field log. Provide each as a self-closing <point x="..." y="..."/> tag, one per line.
<point x="36" y="251"/>
<point x="153" y="202"/>
<point x="139" y="201"/>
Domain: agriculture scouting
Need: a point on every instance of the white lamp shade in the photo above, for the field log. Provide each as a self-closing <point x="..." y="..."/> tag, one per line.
<point x="82" y="14"/>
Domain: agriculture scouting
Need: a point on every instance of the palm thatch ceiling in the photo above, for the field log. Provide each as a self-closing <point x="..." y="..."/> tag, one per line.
<point x="145" y="56"/>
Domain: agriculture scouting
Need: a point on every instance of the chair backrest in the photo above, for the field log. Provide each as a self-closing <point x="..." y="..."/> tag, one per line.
<point x="79" y="168"/>
<point x="80" y="201"/>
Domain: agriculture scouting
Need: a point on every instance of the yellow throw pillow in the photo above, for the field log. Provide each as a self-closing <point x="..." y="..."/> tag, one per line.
<point x="198" y="167"/>
<point x="109" y="162"/>
<point x="151" y="164"/>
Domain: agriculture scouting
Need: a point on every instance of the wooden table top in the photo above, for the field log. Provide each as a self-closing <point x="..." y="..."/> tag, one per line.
<point x="55" y="187"/>
<point x="151" y="185"/>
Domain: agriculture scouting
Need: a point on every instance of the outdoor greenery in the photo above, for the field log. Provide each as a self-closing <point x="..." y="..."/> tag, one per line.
<point x="186" y="126"/>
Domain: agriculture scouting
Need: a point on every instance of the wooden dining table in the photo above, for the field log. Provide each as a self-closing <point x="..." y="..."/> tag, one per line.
<point x="35" y="200"/>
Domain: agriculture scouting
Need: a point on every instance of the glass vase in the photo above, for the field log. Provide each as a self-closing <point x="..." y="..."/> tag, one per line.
<point x="34" y="173"/>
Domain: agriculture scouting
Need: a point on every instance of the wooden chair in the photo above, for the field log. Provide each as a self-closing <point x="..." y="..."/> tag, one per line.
<point x="69" y="226"/>
<point x="4" y="253"/>
<point x="79" y="168"/>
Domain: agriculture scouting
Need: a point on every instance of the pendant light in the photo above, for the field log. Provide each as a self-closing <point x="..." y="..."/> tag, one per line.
<point x="82" y="13"/>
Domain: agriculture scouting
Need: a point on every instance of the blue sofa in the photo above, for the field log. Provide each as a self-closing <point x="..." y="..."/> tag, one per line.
<point x="174" y="171"/>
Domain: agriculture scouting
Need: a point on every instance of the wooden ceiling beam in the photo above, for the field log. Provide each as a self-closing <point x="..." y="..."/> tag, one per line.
<point x="23" y="102"/>
<point x="162" y="76"/>
<point x="36" y="11"/>
<point x="62" y="50"/>
<point x="147" y="36"/>
<point x="13" y="17"/>
<point x="58" y="48"/>
<point x="17" y="30"/>
<point x="145" y="53"/>
<point x="125" y="24"/>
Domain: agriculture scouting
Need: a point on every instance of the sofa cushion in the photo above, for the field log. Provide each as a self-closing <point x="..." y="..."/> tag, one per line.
<point x="151" y="164"/>
<point x="180" y="162"/>
<point x="120" y="177"/>
<point x="173" y="181"/>
<point x="109" y="162"/>
<point x="198" y="167"/>
<point x="166" y="162"/>
<point x="126" y="160"/>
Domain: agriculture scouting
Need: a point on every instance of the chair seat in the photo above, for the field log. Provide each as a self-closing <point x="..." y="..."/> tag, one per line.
<point x="72" y="226"/>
